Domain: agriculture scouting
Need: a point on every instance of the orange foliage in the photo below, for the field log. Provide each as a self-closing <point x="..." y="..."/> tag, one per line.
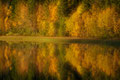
<point x="53" y="12"/>
<point x="4" y="17"/>
<point x="22" y="18"/>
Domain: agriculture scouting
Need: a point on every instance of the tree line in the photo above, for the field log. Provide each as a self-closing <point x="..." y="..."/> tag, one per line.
<point x="76" y="18"/>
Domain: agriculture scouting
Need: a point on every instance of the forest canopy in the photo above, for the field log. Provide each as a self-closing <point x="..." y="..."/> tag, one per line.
<point x="74" y="18"/>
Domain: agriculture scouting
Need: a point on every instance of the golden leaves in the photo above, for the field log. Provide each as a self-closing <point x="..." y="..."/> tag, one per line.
<point x="51" y="29"/>
<point x="74" y="23"/>
<point x="53" y="12"/>
<point x="93" y="23"/>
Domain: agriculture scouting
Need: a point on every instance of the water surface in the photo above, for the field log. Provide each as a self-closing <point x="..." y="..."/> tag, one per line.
<point x="59" y="61"/>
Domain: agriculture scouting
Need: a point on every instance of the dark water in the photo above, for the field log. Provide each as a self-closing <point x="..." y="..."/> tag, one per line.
<point x="54" y="61"/>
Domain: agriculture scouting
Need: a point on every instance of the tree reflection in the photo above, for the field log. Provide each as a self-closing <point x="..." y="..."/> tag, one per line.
<point x="62" y="62"/>
<point x="97" y="59"/>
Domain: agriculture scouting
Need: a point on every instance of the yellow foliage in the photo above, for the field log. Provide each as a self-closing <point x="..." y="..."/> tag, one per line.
<point x="5" y="12"/>
<point x="90" y="22"/>
<point x="44" y="22"/>
<point x="42" y="25"/>
<point x="107" y="20"/>
<point x="93" y="23"/>
<point x="51" y="29"/>
<point x="53" y="12"/>
<point x="40" y="13"/>
<point x="74" y="24"/>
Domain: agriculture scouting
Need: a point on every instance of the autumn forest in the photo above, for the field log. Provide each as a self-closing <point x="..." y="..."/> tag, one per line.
<point x="51" y="18"/>
<point x="59" y="39"/>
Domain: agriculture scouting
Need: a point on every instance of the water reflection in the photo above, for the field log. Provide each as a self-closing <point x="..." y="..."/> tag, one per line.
<point x="48" y="61"/>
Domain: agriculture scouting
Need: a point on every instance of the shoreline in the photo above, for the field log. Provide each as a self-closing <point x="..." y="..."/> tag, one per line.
<point x="56" y="39"/>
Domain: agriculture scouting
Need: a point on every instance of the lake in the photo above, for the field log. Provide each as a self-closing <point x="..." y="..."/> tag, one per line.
<point x="59" y="61"/>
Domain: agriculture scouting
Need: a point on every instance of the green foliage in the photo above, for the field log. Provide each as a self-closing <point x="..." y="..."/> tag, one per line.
<point x="13" y="4"/>
<point x="20" y="31"/>
<point x="31" y="4"/>
<point x="60" y="26"/>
